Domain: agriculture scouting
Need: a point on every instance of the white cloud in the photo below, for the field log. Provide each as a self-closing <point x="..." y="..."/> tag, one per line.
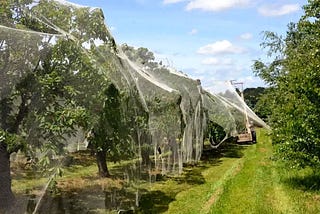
<point x="246" y="36"/>
<point x="215" y="5"/>
<point x="220" y="47"/>
<point x="171" y="1"/>
<point x="217" y="61"/>
<point x="276" y="10"/>
<point x="193" y="31"/>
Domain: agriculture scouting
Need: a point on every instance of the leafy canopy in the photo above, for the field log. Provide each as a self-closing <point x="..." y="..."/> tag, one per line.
<point x="294" y="96"/>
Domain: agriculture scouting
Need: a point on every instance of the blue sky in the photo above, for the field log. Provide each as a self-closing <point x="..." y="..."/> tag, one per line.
<point x="210" y="40"/>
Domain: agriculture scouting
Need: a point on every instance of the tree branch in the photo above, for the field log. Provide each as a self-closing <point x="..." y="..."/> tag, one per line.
<point x="23" y="111"/>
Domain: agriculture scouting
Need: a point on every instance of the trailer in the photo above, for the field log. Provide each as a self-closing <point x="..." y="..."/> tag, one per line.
<point x="249" y="134"/>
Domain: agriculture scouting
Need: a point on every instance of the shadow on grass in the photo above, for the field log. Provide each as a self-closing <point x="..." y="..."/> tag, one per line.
<point x="191" y="176"/>
<point x="154" y="202"/>
<point x="151" y="201"/>
<point x="158" y="201"/>
<point x="228" y="150"/>
<point x="233" y="150"/>
<point x="88" y="200"/>
<point x="307" y="183"/>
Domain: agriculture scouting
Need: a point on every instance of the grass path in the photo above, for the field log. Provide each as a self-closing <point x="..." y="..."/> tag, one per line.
<point x="197" y="186"/>
<point x="244" y="179"/>
<point x="207" y="193"/>
<point x="256" y="189"/>
<point x="232" y="179"/>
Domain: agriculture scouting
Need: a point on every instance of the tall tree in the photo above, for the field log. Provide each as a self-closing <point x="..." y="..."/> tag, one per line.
<point x="295" y="94"/>
<point x="49" y="86"/>
<point x="252" y="95"/>
<point x="110" y="136"/>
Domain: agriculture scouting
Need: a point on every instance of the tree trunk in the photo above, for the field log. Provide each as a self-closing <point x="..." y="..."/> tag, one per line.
<point x="101" y="157"/>
<point x="6" y="196"/>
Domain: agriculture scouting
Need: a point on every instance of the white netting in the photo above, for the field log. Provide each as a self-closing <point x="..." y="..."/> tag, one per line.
<point x="64" y="81"/>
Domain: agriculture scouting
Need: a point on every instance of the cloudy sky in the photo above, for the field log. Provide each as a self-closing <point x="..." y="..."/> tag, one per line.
<point x="211" y="40"/>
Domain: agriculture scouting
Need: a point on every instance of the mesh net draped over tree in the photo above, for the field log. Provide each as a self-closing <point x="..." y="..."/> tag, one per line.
<point x="62" y="76"/>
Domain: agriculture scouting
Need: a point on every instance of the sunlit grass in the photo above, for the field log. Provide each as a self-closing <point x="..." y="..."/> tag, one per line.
<point x="27" y="185"/>
<point x="264" y="187"/>
<point x="235" y="183"/>
<point x="192" y="192"/>
<point x="233" y="179"/>
<point x="252" y="189"/>
<point x="76" y="176"/>
<point x="199" y="198"/>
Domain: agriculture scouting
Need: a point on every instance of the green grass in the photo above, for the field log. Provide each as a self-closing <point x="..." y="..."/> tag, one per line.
<point x="193" y="191"/>
<point x="256" y="188"/>
<point x="262" y="186"/>
<point x="199" y="198"/>
<point x="231" y="179"/>
<point x="237" y="179"/>
<point x="302" y="188"/>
